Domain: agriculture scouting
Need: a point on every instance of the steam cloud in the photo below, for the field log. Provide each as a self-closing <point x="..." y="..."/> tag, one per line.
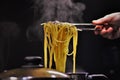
<point x="61" y="10"/>
<point x="51" y="10"/>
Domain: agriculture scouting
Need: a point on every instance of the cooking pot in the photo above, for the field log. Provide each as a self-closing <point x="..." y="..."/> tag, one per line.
<point x="32" y="73"/>
<point x="32" y="70"/>
<point x="87" y="76"/>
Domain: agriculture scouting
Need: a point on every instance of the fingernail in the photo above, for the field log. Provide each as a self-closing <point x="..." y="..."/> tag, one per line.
<point x="93" y="21"/>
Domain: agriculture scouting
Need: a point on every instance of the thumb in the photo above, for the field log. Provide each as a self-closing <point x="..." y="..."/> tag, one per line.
<point x="103" y="20"/>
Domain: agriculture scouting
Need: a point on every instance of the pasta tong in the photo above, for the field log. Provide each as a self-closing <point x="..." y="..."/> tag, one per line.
<point x="82" y="26"/>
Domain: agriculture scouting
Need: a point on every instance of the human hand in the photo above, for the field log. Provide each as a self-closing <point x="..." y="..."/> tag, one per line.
<point x="108" y="26"/>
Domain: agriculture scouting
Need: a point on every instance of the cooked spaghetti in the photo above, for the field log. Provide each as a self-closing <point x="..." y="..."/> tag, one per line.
<point x="57" y="37"/>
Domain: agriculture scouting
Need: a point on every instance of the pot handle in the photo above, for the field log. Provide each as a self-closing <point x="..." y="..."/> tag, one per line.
<point x="32" y="62"/>
<point x="97" y="77"/>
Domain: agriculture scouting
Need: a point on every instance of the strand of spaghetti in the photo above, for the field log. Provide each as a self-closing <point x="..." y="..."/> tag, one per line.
<point x="74" y="48"/>
<point x="45" y="46"/>
<point x="51" y="46"/>
<point x="70" y="35"/>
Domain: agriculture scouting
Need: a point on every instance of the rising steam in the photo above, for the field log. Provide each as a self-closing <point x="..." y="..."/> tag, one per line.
<point x="51" y="10"/>
<point x="61" y="10"/>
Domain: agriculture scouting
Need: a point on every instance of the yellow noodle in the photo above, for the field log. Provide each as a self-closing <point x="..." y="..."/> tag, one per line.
<point x="57" y="37"/>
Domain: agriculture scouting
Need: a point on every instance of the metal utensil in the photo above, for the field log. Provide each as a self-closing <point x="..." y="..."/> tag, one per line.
<point x="79" y="24"/>
<point x="79" y="28"/>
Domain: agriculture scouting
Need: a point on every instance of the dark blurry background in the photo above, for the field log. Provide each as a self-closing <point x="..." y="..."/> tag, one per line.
<point x="95" y="54"/>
